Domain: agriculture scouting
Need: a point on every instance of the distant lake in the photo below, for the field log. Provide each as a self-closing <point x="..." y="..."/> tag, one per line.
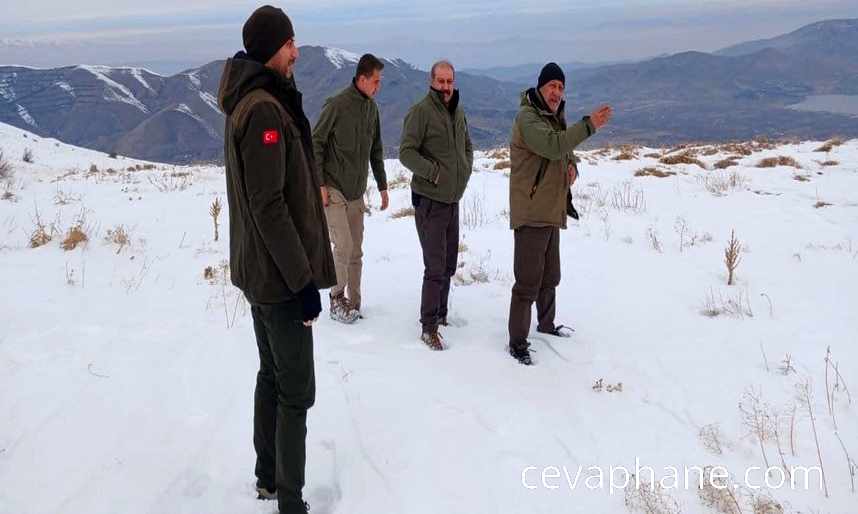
<point x="837" y="104"/>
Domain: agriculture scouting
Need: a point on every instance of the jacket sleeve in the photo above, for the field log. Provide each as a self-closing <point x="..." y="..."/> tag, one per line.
<point x="377" y="156"/>
<point x="548" y="142"/>
<point x="469" y="147"/>
<point x="321" y="138"/>
<point x="264" y="179"/>
<point x="413" y="132"/>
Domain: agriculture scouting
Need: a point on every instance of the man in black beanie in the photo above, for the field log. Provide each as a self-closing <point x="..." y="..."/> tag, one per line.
<point x="542" y="171"/>
<point x="280" y="252"/>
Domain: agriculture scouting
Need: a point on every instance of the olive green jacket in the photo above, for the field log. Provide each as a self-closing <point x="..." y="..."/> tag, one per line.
<point x="346" y="138"/>
<point x="541" y="148"/>
<point x="436" y="147"/>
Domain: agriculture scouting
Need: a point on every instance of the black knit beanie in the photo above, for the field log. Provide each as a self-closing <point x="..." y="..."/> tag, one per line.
<point x="265" y="33"/>
<point x="550" y="72"/>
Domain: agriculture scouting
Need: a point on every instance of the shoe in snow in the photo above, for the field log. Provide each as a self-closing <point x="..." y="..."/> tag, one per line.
<point x="263" y="493"/>
<point x="433" y="340"/>
<point x="342" y="310"/>
<point x="558" y="331"/>
<point x="520" y="351"/>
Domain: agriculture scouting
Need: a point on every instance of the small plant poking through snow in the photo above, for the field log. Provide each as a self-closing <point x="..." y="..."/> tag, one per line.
<point x="502" y="165"/>
<point x="118" y="236"/>
<point x="28" y="156"/>
<point x="398" y="181"/>
<point x="214" y="212"/>
<point x="764" y="504"/>
<point x="721" y="183"/>
<point x="474" y="211"/>
<point x="5" y="167"/>
<point x="648" y="497"/>
<point x="40" y="236"/>
<point x="773" y="162"/>
<point x="405" y="212"/>
<point x="732" y="257"/>
<point x="736" y="305"/>
<point x="75" y="237"/>
<point x="729" y="162"/>
<point x="711" y="439"/>
<point x="717" y="492"/>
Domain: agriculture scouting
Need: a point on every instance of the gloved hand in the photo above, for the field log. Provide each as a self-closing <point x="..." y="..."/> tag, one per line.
<point x="311" y="302"/>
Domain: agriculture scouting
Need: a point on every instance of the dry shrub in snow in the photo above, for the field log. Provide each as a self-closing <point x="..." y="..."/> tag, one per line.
<point x="169" y="182"/>
<point x="729" y="162"/>
<point x="782" y="160"/>
<point x="732" y="256"/>
<point x="627" y="198"/>
<point x="28" y="156"/>
<point x="763" y="504"/>
<point x="711" y="439"/>
<point x="654" y="172"/>
<point x="118" y="236"/>
<point x="214" y="212"/>
<point x="627" y="153"/>
<point x="5" y="167"/>
<point x="682" y="158"/>
<point x="40" y="235"/>
<point x="474" y="211"/>
<point x="649" y="498"/>
<point x="75" y="237"/>
<point x="499" y="154"/>
<point x="503" y="165"/>
<point x="717" y="492"/>
<point x="830" y="145"/>
<point x="734" y="305"/>
<point x="829" y="163"/>
<point x="721" y="183"/>
<point x="405" y="212"/>
<point x="399" y="181"/>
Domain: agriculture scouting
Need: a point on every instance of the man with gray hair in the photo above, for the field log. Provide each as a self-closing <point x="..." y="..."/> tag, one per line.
<point x="436" y="147"/>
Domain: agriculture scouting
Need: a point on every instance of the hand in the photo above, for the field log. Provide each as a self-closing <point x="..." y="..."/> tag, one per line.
<point x="572" y="172"/>
<point x="324" y="196"/>
<point x="311" y="303"/>
<point x="601" y="116"/>
<point x="385" y="200"/>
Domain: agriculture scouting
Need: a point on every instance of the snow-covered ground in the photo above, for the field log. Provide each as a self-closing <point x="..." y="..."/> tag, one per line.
<point x="126" y="375"/>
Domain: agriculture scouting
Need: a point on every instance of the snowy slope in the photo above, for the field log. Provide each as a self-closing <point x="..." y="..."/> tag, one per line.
<point x="126" y="377"/>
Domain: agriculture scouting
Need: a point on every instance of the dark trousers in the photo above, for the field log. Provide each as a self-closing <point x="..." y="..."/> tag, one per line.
<point x="285" y="389"/>
<point x="537" y="274"/>
<point x="438" y="230"/>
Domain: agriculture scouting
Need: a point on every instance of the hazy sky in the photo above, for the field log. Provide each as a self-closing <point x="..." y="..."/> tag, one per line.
<point x="169" y="35"/>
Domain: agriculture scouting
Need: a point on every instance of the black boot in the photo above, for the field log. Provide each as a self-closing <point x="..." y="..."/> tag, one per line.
<point x="520" y="351"/>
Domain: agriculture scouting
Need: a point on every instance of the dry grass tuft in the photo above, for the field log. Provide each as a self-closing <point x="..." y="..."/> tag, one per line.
<point x="400" y="181"/>
<point x="118" y="236"/>
<point x="721" y="183"/>
<point x="716" y="492"/>
<point x="830" y="145"/>
<point x="649" y="498"/>
<point x="682" y="158"/>
<point x="653" y="172"/>
<point x="820" y="204"/>
<point x="503" y="165"/>
<point x="782" y="160"/>
<point x="829" y="163"/>
<point x="729" y="162"/>
<point x="6" y="170"/>
<point x="499" y="154"/>
<point x="75" y="237"/>
<point x="405" y="212"/>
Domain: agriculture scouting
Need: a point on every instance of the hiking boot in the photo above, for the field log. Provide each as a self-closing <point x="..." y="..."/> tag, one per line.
<point x="433" y="340"/>
<point x="342" y="310"/>
<point x="263" y="493"/>
<point x="520" y="351"/>
<point x="558" y="331"/>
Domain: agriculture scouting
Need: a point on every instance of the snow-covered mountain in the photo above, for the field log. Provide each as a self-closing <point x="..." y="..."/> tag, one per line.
<point x="135" y="112"/>
<point x="127" y="364"/>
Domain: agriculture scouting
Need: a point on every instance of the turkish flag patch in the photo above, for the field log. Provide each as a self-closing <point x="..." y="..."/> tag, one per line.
<point x="270" y="137"/>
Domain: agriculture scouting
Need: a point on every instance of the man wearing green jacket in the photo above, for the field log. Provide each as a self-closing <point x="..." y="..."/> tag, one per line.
<point x="543" y="170"/>
<point x="346" y="139"/>
<point x="436" y="147"/>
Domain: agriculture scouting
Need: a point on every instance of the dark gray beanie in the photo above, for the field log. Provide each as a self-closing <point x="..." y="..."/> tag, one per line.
<point x="265" y="33"/>
<point x="550" y="71"/>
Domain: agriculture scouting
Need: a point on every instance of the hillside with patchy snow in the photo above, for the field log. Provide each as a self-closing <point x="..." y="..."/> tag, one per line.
<point x="127" y="361"/>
